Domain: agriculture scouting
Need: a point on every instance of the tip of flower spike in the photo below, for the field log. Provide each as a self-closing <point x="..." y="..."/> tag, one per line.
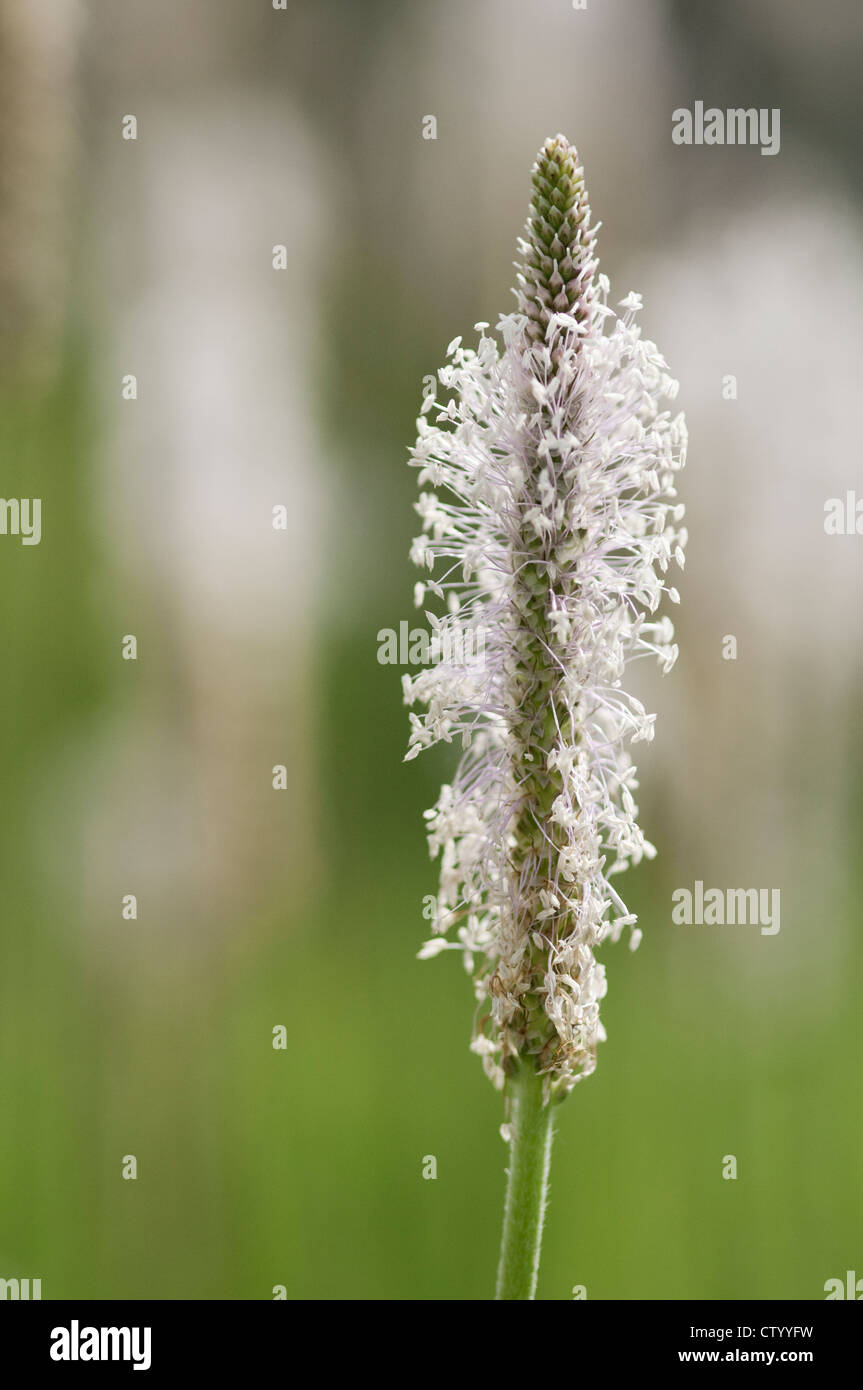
<point x="558" y="269"/>
<point x="557" y="146"/>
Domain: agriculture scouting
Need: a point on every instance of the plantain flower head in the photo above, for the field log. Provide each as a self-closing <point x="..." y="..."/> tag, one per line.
<point x="550" y="517"/>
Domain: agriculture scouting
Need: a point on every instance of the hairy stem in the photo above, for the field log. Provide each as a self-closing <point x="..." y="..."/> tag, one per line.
<point x="527" y="1186"/>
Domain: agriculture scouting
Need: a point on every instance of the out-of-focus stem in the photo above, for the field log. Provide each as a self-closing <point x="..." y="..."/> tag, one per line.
<point x="527" y="1187"/>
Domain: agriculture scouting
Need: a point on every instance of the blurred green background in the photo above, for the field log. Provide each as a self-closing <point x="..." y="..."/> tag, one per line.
<point x="303" y="908"/>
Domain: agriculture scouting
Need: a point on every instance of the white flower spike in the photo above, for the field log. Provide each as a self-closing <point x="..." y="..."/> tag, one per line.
<point x="549" y="510"/>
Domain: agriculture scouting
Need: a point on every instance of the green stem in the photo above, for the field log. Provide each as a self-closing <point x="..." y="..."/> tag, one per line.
<point x="527" y="1188"/>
